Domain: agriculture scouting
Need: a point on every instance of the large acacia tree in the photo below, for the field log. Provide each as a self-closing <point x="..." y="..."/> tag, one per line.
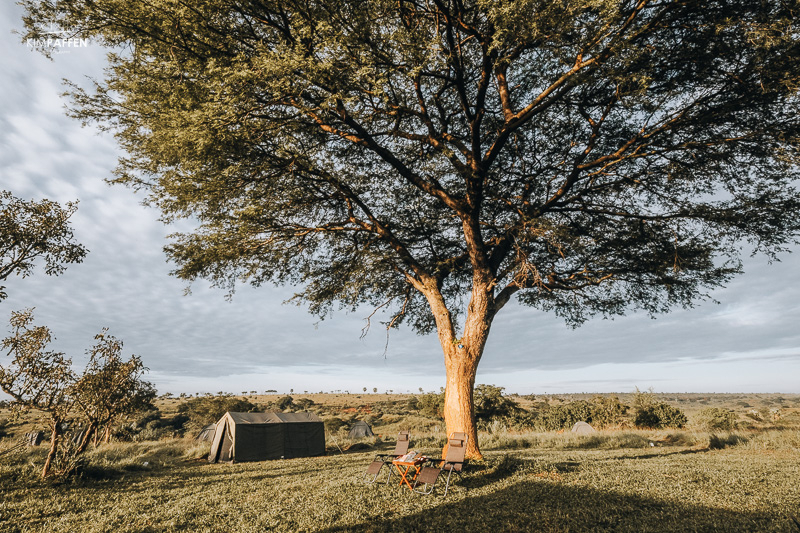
<point x="439" y="157"/>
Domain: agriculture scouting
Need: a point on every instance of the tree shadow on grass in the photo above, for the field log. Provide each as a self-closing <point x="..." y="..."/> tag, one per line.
<point x="538" y="505"/>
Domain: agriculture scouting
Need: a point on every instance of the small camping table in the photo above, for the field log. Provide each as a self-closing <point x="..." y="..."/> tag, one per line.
<point x="405" y="467"/>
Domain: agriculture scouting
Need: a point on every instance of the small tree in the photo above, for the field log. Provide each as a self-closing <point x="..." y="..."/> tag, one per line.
<point x="35" y="230"/>
<point x="110" y="387"/>
<point x="37" y="378"/>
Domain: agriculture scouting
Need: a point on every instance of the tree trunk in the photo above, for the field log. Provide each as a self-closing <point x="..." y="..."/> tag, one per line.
<point x="54" y="438"/>
<point x="107" y="435"/>
<point x="461" y="358"/>
<point x="459" y="406"/>
<point x="90" y="432"/>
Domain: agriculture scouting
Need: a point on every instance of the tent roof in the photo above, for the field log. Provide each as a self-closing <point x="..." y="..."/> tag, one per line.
<point x="272" y="418"/>
<point x="582" y="428"/>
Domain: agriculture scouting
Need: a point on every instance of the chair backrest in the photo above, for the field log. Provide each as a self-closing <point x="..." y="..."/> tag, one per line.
<point x="401" y="448"/>
<point x="456" y="449"/>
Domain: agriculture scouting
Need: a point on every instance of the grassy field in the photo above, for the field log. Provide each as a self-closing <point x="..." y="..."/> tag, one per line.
<point x="605" y="482"/>
<point x="616" y="480"/>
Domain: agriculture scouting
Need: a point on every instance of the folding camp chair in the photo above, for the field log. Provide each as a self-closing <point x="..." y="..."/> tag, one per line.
<point x="374" y="468"/>
<point x="452" y="462"/>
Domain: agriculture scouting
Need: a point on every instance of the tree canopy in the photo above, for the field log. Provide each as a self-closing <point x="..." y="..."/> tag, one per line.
<point x="439" y="158"/>
<point x="31" y="231"/>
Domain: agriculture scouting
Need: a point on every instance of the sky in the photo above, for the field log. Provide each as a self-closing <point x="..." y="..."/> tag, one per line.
<point x="203" y="342"/>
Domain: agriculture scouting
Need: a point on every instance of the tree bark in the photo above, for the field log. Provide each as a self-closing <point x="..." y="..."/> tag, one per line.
<point x="90" y="432"/>
<point x="461" y="364"/>
<point x="459" y="409"/>
<point x="54" y="438"/>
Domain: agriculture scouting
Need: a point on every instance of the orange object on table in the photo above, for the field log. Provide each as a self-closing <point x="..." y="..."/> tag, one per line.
<point x="406" y="467"/>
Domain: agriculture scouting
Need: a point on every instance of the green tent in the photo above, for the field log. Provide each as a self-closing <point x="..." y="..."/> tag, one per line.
<point x="243" y="437"/>
<point x="360" y="429"/>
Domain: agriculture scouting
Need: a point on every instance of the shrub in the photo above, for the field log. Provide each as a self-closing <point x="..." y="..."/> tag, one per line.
<point x="716" y="418"/>
<point x="490" y="403"/>
<point x="653" y="414"/>
<point x="332" y="425"/>
<point x="565" y="416"/>
<point x="660" y="415"/>
<point x="718" y="442"/>
<point x="606" y="411"/>
<point x="204" y="410"/>
<point x="431" y="405"/>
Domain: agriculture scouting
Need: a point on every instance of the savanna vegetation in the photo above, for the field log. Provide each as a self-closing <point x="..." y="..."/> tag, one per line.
<point x="731" y="467"/>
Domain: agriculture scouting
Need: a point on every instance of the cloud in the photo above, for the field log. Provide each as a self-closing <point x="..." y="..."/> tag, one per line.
<point x="202" y="342"/>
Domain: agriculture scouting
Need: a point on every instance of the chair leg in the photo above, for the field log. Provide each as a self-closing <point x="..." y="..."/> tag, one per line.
<point x="428" y="487"/>
<point x="447" y="482"/>
<point x="370" y="472"/>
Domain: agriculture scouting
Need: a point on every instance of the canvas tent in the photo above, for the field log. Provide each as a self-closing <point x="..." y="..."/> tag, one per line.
<point x="582" y="428"/>
<point x="360" y="429"/>
<point x="243" y="437"/>
<point x="207" y="433"/>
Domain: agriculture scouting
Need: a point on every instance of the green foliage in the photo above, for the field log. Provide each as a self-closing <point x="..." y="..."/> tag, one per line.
<point x="207" y="409"/>
<point x="490" y="404"/>
<point x="565" y="416"/>
<point x="31" y="231"/>
<point x="110" y="388"/>
<point x="600" y="412"/>
<point x="354" y="148"/>
<point x="607" y="411"/>
<point x="716" y="418"/>
<point x="37" y="378"/>
<point x="651" y="413"/>
<point x="334" y="424"/>
<point x="431" y="404"/>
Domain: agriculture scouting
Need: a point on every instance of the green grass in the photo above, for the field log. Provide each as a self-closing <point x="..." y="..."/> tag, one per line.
<point x="610" y="481"/>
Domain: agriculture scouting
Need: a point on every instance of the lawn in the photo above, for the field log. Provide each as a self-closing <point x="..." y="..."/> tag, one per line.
<point x="612" y="481"/>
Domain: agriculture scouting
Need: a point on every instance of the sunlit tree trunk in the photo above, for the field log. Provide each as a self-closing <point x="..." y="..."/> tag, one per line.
<point x="461" y="357"/>
<point x="51" y="454"/>
<point x="87" y="437"/>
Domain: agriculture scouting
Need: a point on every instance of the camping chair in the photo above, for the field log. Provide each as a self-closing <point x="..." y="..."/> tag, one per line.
<point x="452" y="462"/>
<point x="374" y="468"/>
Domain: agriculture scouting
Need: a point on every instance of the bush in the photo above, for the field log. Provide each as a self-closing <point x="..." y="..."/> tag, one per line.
<point x="718" y="442"/>
<point x="716" y="418"/>
<point x="332" y="425"/>
<point x="565" y="416"/>
<point x="205" y="410"/>
<point x="490" y="404"/>
<point x="431" y="405"/>
<point x="606" y="411"/>
<point x="653" y="414"/>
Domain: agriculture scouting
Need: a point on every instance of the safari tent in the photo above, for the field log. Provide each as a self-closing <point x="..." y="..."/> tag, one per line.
<point x="582" y="428"/>
<point x="243" y="437"/>
<point x="207" y="433"/>
<point x="360" y="429"/>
